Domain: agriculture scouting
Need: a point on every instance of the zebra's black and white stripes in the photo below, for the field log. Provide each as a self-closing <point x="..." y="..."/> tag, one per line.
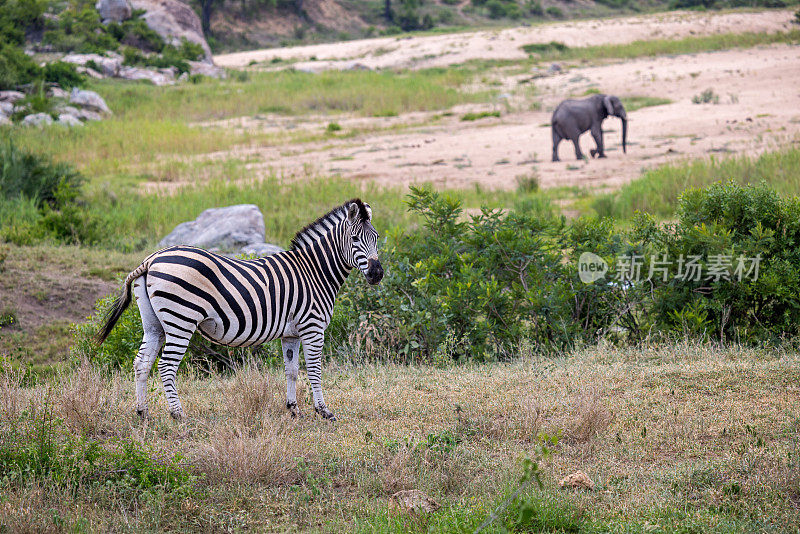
<point x="289" y="295"/>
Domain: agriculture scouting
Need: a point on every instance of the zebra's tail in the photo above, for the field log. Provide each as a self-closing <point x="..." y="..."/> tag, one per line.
<point x="122" y="302"/>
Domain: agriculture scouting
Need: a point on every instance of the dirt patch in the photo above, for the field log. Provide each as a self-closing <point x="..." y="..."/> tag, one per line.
<point x="757" y="110"/>
<point x="449" y="49"/>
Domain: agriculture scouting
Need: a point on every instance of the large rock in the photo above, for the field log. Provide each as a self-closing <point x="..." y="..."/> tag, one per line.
<point x="6" y="108"/>
<point x="109" y="66"/>
<point x="88" y="100"/>
<point x="228" y="229"/>
<point x="161" y="77"/>
<point x="173" y="20"/>
<point x="261" y="249"/>
<point x="5" y="121"/>
<point x="37" y="119"/>
<point x="206" y="69"/>
<point x="11" y="96"/>
<point x="113" y="10"/>
<point x="68" y="120"/>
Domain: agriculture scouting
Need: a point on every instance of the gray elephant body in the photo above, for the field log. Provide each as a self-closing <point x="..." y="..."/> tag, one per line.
<point x="573" y="117"/>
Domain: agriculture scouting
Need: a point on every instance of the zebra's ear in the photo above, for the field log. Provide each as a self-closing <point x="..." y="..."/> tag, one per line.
<point x="352" y="212"/>
<point x="369" y="211"/>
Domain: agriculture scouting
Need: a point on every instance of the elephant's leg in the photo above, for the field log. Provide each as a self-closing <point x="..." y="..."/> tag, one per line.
<point x="597" y="133"/>
<point x="578" y="153"/>
<point x="556" y="140"/>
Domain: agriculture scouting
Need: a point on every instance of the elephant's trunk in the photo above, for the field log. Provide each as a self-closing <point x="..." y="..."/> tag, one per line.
<point x="624" y="133"/>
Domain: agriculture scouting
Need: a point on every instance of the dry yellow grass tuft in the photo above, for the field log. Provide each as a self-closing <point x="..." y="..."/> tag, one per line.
<point x="83" y="399"/>
<point x="238" y="452"/>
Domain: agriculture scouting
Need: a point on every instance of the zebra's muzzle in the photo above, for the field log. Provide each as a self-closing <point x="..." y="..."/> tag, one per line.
<point x="374" y="272"/>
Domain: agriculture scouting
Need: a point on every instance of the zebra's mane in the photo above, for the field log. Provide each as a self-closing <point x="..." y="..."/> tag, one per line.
<point x="314" y="231"/>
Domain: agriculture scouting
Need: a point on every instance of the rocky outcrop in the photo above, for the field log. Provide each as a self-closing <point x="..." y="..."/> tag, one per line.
<point x="206" y="69"/>
<point x="11" y="96"/>
<point x="37" y="119"/>
<point x="68" y="120"/>
<point x="113" y="10"/>
<point x="173" y="20"/>
<point x="89" y="100"/>
<point x="227" y="229"/>
<point x="4" y="121"/>
<point x="159" y="77"/>
<point x="108" y="65"/>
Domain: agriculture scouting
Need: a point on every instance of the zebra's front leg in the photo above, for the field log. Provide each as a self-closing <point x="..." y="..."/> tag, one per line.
<point x="291" y="363"/>
<point x="312" y="347"/>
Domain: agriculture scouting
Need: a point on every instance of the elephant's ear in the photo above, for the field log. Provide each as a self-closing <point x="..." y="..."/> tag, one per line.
<point x="609" y="106"/>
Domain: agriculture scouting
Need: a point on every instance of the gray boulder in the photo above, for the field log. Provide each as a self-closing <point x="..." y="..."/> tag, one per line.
<point x="155" y="77"/>
<point x="88" y="100"/>
<point x="57" y="92"/>
<point x="6" y="108"/>
<point x="37" y="119"/>
<point x="173" y="20"/>
<point x="5" y="121"/>
<point x="113" y="10"/>
<point x="68" y="120"/>
<point x="109" y="65"/>
<point x="226" y="229"/>
<point x="206" y="69"/>
<point x="261" y="249"/>
<point x="11" y="96"/>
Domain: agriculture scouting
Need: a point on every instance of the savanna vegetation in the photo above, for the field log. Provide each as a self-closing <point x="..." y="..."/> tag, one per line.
<point x="481" y="371"/>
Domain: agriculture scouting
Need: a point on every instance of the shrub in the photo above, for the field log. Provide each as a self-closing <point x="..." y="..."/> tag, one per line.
<point x="65" y="75"/>
<point x="24" y="174"/>
<point x="706" y="97"/>
<point x="47" y="194"/>
<point x="554" y="12"/>
<point x="16" y="67"/>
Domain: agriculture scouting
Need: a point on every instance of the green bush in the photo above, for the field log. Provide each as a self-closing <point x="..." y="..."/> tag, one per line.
<point x="42" y="450"/>
<point x="24" y="174"/>
<point x="40" y="200"/>
<point x="554" y="12"/>
<point x="65" y="75"/>
<point x="16" y="67"/>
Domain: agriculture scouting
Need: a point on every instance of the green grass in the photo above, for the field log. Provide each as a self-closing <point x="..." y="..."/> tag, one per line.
<point x="480" y="115"/>
<point x="151" y="121"/>
<point x="659" y="47"/>
<point x="658" y="190"/>
<point x="632" y="103"/>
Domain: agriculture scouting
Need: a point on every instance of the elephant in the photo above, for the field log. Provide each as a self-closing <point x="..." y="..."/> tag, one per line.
<point x="573" y="117"/>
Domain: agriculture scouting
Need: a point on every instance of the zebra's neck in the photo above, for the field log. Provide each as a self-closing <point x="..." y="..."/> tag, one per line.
<point x="323" y="247"/>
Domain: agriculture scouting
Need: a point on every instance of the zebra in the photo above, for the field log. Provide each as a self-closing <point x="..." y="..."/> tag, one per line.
<point x="241" y="303"/>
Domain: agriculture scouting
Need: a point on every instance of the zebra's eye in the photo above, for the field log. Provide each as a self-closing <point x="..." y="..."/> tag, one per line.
<point x="356" y="239"/>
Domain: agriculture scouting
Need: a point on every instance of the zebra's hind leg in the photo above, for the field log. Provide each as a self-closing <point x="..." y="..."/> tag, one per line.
<point x="291" y="362"/>
<point x="174" y="349"/>
<point x="152" y="341"/>
<point x="312" y="347"/>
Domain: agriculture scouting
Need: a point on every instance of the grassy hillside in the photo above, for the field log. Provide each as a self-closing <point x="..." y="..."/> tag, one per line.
<point x="244" y="24"/>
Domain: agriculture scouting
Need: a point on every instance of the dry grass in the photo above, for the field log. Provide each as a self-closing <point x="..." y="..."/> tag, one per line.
<point x="711" y="434"/>
<point x="84" y="399"/>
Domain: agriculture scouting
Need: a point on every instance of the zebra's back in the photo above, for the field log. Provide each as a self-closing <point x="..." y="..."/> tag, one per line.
<point x="232" y="302"/>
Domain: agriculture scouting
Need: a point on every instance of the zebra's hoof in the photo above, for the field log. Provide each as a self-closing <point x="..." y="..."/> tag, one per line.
<point x="293" y="411"/>
<point x="177" y="416"/>
<point x="325" y="413"/>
